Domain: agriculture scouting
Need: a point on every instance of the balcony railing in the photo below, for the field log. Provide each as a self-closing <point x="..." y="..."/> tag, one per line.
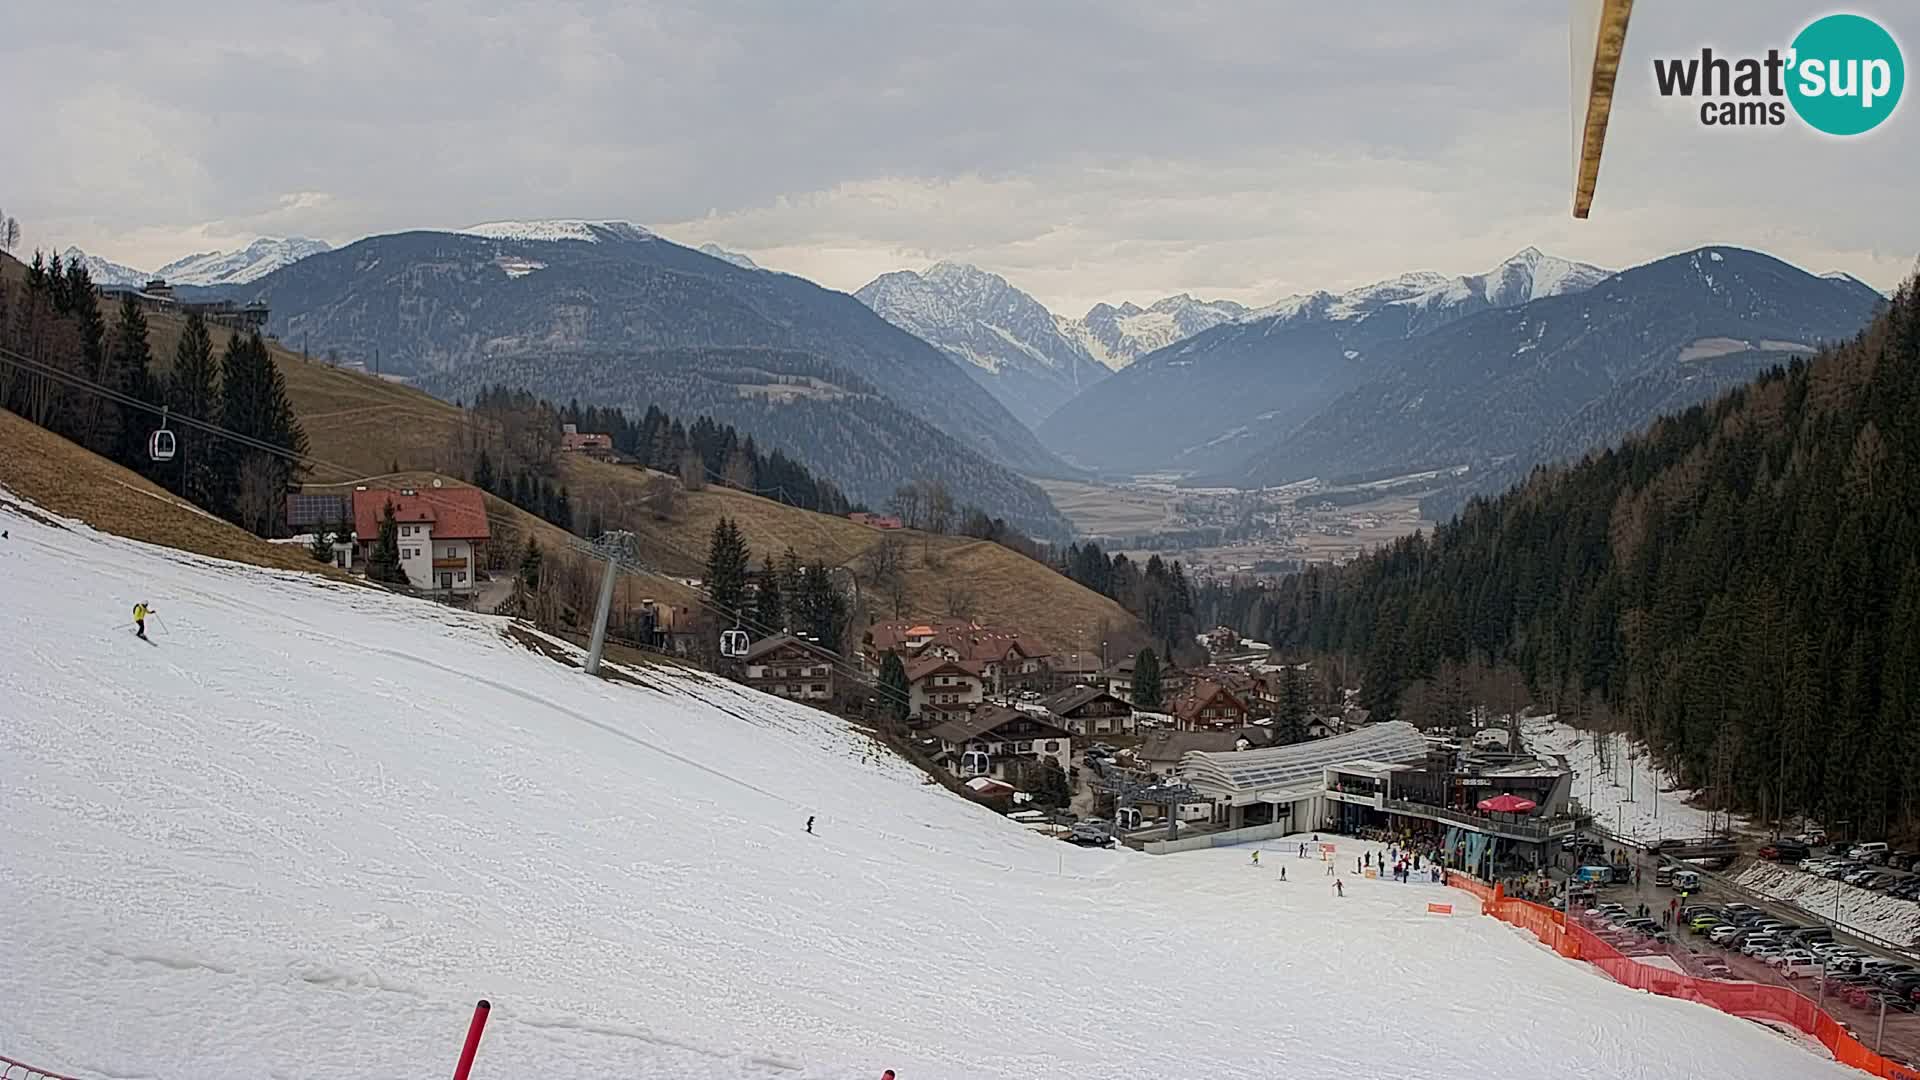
<point x="1533" y="830"/>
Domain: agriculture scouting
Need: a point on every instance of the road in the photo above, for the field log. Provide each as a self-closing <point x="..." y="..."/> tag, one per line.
<point x="1902" y="1032"/>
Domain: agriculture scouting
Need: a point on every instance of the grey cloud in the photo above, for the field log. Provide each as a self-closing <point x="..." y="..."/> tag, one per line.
<point x="1089" y="150"/>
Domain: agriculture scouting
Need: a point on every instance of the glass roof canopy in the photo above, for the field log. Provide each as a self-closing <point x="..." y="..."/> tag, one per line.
<point x="1243" y="774"/>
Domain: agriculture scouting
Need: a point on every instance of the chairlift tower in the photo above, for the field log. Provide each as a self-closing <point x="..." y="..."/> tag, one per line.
<point x="615" y="547"/>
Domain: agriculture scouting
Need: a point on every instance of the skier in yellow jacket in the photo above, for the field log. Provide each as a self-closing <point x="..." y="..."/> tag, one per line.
<point x="140" y="613"/>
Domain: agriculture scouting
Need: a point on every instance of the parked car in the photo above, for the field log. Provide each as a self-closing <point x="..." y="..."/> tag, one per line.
<point x="1704" y="922"/>
<point x="1724" y="934"/>
<point x="1797" y="967"/>
<point x="1872" y="851"/>
<point x="1755" y="944"/>
<point x="1808" y="935"/>
<point x="1894" y="1000"/>
<point x="1716" y="968"/>
<point x="1783" y="851"/>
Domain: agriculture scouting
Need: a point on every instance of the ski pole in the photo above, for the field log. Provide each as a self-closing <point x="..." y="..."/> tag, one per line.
<point x="162" y="624"/>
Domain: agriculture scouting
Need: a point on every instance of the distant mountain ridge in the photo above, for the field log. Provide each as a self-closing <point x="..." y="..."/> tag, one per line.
<point x="1117" y="336"/>
<point x="506" y="301"/>
<point x="1204" y="404"/>
<point x="104" y="272"/>
<point x="1494" y="391"/>
<point x="1002" y="337"/>
<point x="248" y="264"/>
<point x="208" y="268"/>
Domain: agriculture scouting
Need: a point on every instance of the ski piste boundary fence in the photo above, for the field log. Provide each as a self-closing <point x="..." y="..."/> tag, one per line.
<point x="1749" y="1001"/>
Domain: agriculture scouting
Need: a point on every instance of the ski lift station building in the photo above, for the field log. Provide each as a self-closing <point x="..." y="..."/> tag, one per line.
<point x="1385" y="776"/>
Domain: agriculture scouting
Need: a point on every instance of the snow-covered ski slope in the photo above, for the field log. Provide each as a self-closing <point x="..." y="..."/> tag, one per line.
<point x="299" y="837"/>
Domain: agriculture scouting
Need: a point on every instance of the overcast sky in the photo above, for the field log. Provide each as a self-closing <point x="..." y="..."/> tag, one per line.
<point x="1096" y="150"/>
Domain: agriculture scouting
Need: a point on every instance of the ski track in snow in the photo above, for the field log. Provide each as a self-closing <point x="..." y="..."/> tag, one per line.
<point x="303" y="834"/>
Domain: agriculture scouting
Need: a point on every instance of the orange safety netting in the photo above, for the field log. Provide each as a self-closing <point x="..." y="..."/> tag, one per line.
<point x="1754" y="1001"/>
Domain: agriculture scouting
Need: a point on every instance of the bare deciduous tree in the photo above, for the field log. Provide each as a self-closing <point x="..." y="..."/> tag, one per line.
<point x="907" y="502"/>
<point x="939" y="506"/>
<point x="693" y="471"/>
<point x="960" y="600"/>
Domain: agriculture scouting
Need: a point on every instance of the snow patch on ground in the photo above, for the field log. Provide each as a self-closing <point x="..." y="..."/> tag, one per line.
<point x="1889" y="918"/>
<point x="303" y="831"/>
<point x="1605" y="794"/>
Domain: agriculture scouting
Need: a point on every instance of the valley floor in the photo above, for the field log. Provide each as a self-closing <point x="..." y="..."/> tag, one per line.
<point x="304" y="829"/>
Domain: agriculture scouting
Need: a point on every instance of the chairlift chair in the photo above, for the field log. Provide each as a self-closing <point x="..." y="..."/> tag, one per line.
<point x="160" y="445"/>
<point x="733" y="643"/>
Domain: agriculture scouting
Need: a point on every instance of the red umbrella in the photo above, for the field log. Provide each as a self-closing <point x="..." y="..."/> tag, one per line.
<point x="1507" y="804"/>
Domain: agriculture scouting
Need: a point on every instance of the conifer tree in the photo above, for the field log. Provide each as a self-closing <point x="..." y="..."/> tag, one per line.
<point x="383" y="564"/>
<point x="530" y="565"/>
<point x="131" y="368"/>
<point x="769" y="604"/>
<point x="483" y="472"/>
<point x="894" y="689"/>
<point x="727" y="561"/>
<point x="321" y="546"/>
<point x="1290" y="721"/>
<point x="1147" y="691"/>
<point x="193" y="391"/>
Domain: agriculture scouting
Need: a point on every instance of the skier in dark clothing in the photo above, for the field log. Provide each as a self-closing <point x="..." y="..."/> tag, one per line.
<point x="809" y="825"/>
<point x="1338" y="888"/>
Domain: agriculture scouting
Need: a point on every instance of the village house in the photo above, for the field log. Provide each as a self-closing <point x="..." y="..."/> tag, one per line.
<point x="1161" y="752"/>
<point x="308" y="514"/>
<point x="1075" y="669"/>
<point x="574" y="441"/>
<point x="439" y="532"/>
<point x="940" y="684"/>
<point x="996" y="742"/>
<point x="1089" y="710"/>
<point x="1209" y="706"/>
<point x="785" y="666"/>
<point x="1003" y="660"/>
<point x="1119" y="679"/>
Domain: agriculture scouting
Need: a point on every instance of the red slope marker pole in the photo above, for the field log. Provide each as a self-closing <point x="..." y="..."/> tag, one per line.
<point x="473" y="1039"/>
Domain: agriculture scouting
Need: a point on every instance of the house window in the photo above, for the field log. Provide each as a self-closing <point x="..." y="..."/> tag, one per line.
<point x="819" y="688"/>
<point x="451" y="555"/>
<point x="1053" y="746"/>
<point x="1026" y="747"/>
<point x="461" y="576"/>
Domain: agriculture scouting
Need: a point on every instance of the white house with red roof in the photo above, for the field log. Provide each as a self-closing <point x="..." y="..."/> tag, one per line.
<point x="440" y="532"/>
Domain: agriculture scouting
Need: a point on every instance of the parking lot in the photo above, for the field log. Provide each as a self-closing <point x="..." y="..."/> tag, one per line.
<point x="1850" y="995"/>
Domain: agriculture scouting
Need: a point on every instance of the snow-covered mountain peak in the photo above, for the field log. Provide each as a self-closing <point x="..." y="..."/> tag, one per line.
<point x="1117" y="336"/>
<point x="733" y="257"/>
<point x="557" y="229"/>
<point x="1005" y="338"/>
<point x="1528" y="274"/>
<point x="103" y="272"/>
<point x="255" y="261"/>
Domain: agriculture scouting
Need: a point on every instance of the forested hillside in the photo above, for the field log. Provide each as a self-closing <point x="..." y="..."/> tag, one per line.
<point x="824" y="417"/>
<point x="1740" y="585"/>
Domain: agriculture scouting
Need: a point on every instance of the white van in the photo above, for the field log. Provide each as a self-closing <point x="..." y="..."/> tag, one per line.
<point x="1873" y="852"/>
<point x="1686" y="880"/>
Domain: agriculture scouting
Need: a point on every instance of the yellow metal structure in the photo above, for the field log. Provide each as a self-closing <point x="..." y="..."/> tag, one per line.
<point x="1597" y="33"/>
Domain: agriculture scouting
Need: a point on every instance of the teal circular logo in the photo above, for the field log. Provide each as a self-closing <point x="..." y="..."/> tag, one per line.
<point x="1846" y="74"/>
